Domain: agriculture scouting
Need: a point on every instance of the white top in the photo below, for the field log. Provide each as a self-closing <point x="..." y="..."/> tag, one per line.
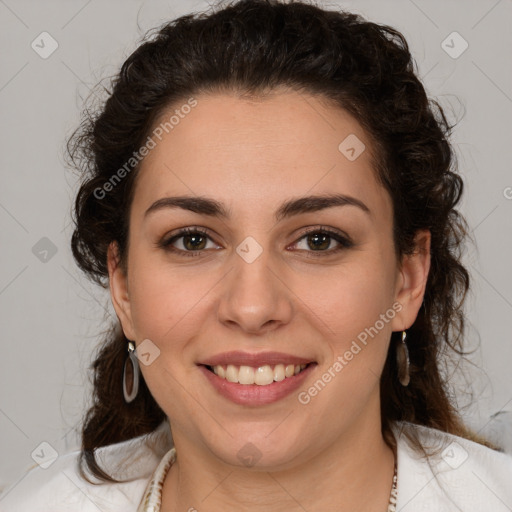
<point x="475" y="478"/>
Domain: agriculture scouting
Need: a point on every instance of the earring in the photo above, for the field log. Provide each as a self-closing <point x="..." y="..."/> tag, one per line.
<point x="402" y="359"/>
<point x="131" y="375"/>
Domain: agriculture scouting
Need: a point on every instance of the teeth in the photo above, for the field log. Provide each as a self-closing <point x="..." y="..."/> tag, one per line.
<point x="261" y="376"/>
<point x="279" y="372"/>
<point x="231" y="373"/>
<point x="246" y="375"/>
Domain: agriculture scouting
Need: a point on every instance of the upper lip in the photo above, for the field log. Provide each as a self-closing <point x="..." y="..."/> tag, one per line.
<point x="238" y="358"/>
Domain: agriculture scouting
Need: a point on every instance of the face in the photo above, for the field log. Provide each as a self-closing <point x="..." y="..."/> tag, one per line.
<point x="264" y="279"/>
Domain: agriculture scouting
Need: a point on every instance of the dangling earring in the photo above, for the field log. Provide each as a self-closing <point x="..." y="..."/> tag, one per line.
<point x="402" y="360"/>
<point x="131" y="375"/>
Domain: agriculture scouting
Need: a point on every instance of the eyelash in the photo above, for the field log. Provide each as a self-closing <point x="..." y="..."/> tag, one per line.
<point x="345" y="242"/>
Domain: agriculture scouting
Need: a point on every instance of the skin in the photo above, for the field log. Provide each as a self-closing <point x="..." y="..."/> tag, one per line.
<point x="252" y="156"/>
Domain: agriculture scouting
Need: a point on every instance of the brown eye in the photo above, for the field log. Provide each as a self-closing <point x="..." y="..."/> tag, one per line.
<point x="321" y="241"/>
<point x="188" y="242"/>
<point x="194" y="242"/>
<point x="318" y="241"/>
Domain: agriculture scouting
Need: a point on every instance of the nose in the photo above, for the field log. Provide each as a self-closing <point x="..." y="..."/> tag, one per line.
<point x="254" y="297"/>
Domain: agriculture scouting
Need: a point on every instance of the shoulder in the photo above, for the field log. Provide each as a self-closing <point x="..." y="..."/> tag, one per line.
<point x="458" y="474"/>
<point x="60" y="487"/>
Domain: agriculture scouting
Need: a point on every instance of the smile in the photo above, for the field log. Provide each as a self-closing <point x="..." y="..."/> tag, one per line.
<point x="255" y="379"/>
<point x="261" y="376"/>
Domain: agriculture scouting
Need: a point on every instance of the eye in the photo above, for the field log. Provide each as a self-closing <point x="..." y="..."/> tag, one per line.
<point x="188" y="242"/>
<point x="192" y="241"/>
<point x="320" y="240"/>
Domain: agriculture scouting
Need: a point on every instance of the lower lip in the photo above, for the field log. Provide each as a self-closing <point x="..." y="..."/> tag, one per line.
<point x="252" y="394"/>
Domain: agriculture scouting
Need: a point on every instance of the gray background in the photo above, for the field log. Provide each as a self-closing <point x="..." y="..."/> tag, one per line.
<point x="51" y="316"/>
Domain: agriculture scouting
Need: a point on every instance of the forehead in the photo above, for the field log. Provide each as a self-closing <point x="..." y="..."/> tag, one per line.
<point x="255" y="153"/>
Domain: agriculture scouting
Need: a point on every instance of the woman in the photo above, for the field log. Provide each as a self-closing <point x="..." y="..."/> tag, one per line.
<point x="270" y="196"/>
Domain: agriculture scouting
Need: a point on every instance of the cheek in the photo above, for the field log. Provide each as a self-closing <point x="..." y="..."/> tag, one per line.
<point x="355" y="306"/>
<point x="350" y="298"/>
<point x="165" y="300"/>
<point x="358" y="348"/>
<point x="166" y="305"/>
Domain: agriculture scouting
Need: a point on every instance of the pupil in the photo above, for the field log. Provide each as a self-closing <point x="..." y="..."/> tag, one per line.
<point x="324" y="241"/>
<point x="194" y="239"/>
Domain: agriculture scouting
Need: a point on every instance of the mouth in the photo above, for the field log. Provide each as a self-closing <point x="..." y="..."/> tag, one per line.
<point x="261" y="375"/>
<point x="256" y="379"/>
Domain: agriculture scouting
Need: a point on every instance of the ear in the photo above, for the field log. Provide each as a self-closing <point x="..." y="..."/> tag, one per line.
<point x="412" y="281"/>
<point x="118" y="283"/>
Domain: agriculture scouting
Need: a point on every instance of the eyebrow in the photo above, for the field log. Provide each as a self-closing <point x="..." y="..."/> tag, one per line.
<point x="213" y="208"/>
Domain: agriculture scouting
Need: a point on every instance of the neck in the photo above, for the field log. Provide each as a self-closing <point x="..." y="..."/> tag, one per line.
<point x="355" y="473"/>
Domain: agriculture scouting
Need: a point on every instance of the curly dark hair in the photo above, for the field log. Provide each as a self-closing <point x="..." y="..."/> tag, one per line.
<point x="250" y="47"/>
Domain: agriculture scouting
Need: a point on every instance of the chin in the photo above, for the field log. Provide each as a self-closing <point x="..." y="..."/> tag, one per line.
<point x="258" y="450"/>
